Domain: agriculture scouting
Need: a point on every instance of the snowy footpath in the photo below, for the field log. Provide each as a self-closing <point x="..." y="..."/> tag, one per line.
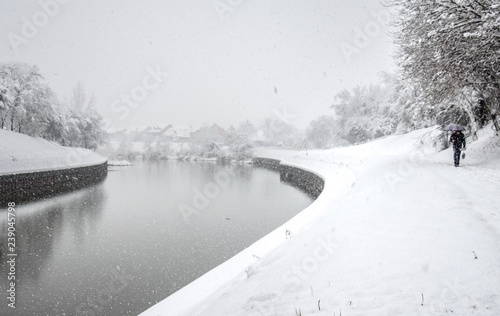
<point x="21" y="154"/>
<point x="398" y="230"/>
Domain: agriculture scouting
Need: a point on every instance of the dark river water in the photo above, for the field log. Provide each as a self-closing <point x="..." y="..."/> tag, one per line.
<point x="125" y="244"/>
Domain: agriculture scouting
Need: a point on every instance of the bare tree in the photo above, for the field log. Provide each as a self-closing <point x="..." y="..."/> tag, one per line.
<point x="78" y="101"/>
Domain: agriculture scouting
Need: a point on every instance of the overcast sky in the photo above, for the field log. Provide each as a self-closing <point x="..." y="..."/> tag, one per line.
<point x="201" y="61"/>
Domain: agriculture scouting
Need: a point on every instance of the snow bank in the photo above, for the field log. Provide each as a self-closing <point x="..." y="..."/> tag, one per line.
<point x="397" y="231"/>
<point x="119" y="163"/>
<point x="21" y="154"/>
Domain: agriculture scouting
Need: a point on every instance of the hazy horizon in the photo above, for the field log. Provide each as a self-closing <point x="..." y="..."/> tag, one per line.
<point x="201" y="62"/>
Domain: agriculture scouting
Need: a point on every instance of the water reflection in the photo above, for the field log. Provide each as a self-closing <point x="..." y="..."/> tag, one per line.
<point x="39" y="227"/>
<point x="121" y="246"/>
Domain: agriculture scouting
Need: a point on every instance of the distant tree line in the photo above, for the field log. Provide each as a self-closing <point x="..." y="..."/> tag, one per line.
<point x="29" y="106"/>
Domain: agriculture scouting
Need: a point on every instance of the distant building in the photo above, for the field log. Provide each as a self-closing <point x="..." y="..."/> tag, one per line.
<point x="156" y="133"/>
<point x="171" y="134"/>
<point x="177" y="133"/>
<point x="210" y="134"/>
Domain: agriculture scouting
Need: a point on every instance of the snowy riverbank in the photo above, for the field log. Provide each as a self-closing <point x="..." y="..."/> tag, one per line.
<point x="184" y="151"/>
<point x="397" y="231"/>
<point x="21" y="154"/>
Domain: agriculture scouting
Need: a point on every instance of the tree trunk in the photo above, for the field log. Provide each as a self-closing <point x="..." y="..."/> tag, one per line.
<point x="494" y="114"/>
<point x="494" y="119"/>
<point x="469" y="109"/>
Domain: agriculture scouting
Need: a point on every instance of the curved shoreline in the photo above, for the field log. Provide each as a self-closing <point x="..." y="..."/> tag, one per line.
<point x="203" y="287"/>
<point x="306" y="181"/>
<point x="29" y="186"/>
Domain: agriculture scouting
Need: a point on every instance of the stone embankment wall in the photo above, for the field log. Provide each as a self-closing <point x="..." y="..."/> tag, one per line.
<point x="306" y="181"/>
<point x="24" y="187"/>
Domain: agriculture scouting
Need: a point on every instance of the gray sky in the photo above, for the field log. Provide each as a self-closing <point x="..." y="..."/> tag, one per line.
<point x="201" y="61"/>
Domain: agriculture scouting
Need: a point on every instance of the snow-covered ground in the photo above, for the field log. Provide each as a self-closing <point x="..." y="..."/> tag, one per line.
<point x="20" y="154"/>
<point x="398" y="230"/>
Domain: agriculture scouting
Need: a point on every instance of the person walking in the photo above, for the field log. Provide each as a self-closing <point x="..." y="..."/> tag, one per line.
<point x="458" y="140"/>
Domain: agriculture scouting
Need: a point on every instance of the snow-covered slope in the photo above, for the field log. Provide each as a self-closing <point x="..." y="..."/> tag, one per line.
<point x="398" y="230"/>
<point x="20" y="153"/>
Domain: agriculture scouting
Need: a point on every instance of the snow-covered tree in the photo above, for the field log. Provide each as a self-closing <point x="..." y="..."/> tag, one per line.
<point x="28" y="105"/>
<point x="84" y="129"/>
<point x="323" y="132"/>
<point x="448" y="48"/>
<point x="23" y="91"/>
<point x="232" y="135"/>
<point x="56" y="129"/>
<point x="366" y="112"/>
<point x="246" y="128"/>
<point x="38" y="112"/>
<point x="280" y="133"/>
<point x="91" y="127"/>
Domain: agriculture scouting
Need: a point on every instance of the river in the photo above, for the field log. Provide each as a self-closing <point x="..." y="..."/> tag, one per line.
<point x="121" y="246"/>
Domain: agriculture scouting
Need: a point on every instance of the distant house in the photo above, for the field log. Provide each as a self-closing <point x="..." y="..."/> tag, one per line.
<point x="171" y="133"/>
<point x="156" y="133"/>
<point x="213" y="133"/>
<point x="138" y="133"/>
<point x="177" y="133"/>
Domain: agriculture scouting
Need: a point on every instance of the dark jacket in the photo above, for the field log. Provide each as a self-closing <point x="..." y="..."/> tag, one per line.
<point x="458" y="140"/>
